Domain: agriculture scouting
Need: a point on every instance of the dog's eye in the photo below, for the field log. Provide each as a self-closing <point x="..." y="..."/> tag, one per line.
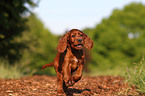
<point x="73" y="35"/>
<point x="81" y="35"/>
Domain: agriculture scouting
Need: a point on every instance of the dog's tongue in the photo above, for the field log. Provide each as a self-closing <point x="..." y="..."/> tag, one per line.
<point x="79" y="45"/>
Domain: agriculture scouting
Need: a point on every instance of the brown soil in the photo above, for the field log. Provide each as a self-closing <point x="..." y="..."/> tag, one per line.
<point x="46" y="86"/>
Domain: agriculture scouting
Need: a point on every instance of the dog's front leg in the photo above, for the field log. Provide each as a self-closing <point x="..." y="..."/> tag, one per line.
<point x="77" y="76"/>
<point x="67" y="74"/>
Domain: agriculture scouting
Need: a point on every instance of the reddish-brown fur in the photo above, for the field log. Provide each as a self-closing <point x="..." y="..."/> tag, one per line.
<point x="70" y="58"/>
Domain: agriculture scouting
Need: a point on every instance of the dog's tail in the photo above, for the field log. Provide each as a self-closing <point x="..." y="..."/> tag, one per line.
<point x="47" y="65"/>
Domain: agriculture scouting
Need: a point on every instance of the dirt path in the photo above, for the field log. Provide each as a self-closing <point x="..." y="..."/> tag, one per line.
<point x="46" y="86"/>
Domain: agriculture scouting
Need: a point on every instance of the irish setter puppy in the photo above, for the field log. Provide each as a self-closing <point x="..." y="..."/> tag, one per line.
<point x="70" y="58"/>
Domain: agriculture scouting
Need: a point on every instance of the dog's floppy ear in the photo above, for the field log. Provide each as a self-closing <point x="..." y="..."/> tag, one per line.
<point x="88" y="42"/>
<point x="62" y="43"/>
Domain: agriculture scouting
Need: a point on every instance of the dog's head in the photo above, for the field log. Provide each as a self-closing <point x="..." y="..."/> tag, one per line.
<point x="75" y="39"/>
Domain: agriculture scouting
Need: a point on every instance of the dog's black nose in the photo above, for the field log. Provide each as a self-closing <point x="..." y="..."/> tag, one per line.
<point x="80" y="40"/>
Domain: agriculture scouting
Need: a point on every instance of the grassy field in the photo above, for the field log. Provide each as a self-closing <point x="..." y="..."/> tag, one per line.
<point x="7" y="71"/>
<point x="136" y="76"/>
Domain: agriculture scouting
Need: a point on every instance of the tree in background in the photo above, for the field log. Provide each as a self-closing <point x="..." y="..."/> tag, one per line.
<point x="12" y="24"/>
<point x="41" y="47"/>
<point x="120" y="38"/>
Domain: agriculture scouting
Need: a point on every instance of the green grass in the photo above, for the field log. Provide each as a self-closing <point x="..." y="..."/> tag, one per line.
<point x="136" y="76"/>
<point x="107" y="70"/>
<point x="7" y="71"/>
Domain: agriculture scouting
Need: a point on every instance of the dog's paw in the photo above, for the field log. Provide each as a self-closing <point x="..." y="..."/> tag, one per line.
<point x="70" y="82"/>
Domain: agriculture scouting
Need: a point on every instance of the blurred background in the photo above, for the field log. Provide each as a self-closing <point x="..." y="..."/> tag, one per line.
<point x="30" y="30"/>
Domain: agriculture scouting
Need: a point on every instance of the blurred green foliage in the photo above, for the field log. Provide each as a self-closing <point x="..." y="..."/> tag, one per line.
<point x="119" y="40"/>
<point x="12" y="24"/>
<point x="8" y="71"/>
<point x="41" y="46"/>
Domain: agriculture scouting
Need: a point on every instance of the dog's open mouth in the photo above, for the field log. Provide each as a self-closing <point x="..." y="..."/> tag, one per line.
<point x="79" y="45"/>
